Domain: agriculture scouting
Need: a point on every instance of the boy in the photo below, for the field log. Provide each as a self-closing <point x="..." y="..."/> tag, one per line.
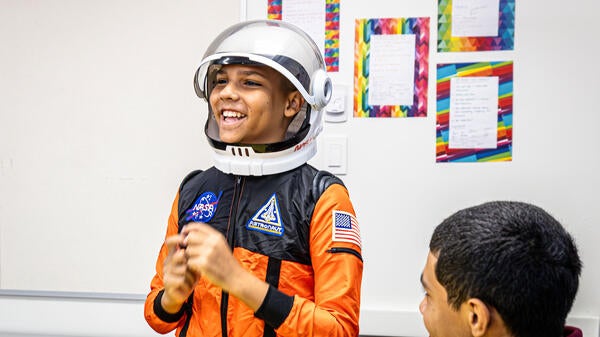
<point x="261" y="244"/>
<point x="500" y="269"/>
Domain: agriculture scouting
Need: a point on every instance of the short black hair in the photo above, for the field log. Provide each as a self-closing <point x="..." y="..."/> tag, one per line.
<point x="513" y="256"/>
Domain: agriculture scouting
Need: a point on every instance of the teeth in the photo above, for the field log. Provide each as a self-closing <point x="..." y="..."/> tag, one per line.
<point x="232" y="114"/>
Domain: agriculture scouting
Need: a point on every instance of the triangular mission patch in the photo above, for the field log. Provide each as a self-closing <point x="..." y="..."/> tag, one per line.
<point x="268" y="219"/>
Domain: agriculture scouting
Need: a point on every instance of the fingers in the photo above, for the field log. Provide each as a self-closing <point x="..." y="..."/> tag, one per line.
<point x="173" y="243"/>
<point x="209" y="254"/>
<point x="200" y="234"/>
<point x="175" y="267"/>
<point x="198" y="250"/>
<point x="202" y="240"/>
<point x="175" y="262"/>
<point x="198" y="227"/>
<point x="179" y="281"/>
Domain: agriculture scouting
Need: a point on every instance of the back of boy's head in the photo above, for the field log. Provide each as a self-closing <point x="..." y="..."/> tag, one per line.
<point x="291" y="52"/>
<point x="514" y="257"/>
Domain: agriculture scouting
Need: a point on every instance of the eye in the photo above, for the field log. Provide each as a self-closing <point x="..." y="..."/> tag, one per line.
<point x="220" y="81"/>
<point x="252" y="83"/>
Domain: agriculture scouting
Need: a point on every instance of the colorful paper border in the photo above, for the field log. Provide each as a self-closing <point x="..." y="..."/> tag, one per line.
<point x="274" y="11"/>
<point x="332" y="35"/>
<point x="364" y="28"/>
<point x="332" y="30"/>
<point x="504" y="40"/>
<point x="503" y="151"/>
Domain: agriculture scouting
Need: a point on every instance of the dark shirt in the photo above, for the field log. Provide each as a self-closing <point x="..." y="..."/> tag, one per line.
<point x="571" y="331"/>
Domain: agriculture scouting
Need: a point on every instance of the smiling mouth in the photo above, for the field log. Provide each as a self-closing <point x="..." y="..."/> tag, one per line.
<point x="232" y="115"/>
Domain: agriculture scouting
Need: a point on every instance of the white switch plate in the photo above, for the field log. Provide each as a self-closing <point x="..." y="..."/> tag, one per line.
<point x="336" y="154"/>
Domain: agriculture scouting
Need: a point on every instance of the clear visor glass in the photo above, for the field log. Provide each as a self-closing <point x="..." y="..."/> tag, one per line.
<point x="277" y="44"/>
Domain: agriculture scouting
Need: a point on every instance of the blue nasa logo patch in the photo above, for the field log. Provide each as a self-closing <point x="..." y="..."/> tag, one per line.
<point x="204" y="208"/>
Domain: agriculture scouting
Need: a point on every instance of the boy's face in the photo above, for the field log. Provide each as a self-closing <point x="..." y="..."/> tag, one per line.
<point x="250" y="105"/>
<point x="441" y="320"/>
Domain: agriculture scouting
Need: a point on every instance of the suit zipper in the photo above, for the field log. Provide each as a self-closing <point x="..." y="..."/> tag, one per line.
<point x="237" y="192"/>
<point x="345" y="250"/>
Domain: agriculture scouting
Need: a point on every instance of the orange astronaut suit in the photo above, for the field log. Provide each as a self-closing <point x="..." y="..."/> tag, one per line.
<point x="296" y="230"/>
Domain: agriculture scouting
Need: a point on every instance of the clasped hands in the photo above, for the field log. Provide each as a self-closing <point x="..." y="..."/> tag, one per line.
<point x="199" y="250"/>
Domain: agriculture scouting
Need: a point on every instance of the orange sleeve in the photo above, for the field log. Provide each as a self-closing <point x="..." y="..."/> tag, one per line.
<point x="337" y="269"/>
<point x="154" y="315"/>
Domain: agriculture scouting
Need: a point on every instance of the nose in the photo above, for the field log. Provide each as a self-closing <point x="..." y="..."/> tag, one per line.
<point x="228" y="91"/>
<point x="422" y="305"/>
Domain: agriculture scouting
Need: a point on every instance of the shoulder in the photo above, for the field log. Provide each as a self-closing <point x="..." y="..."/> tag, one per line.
<point x="313" y="180"/>
<point x="189" y="177"/>
<point x="321" y="182"/>
<point x="196" y="176"/>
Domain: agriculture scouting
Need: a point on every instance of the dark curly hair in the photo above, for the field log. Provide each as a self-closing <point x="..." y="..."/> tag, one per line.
<point x="513" y="256"/>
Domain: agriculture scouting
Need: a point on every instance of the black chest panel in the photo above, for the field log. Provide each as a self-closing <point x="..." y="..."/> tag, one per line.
<point x="269" y="215"/>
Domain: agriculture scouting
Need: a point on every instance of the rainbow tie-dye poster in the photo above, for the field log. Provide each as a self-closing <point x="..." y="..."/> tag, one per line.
<point x="503" y="41"/>
<point x="503" y="149"/>
<point x="364" y="29"/>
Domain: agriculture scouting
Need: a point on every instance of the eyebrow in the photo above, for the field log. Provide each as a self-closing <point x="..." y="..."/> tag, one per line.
<point x="243" y="72"/>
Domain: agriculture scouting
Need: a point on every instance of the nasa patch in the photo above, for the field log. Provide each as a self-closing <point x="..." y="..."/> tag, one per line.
<point x="204" y="208"/>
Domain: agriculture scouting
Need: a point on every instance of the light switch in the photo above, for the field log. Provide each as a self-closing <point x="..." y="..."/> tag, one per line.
<point x="336" y="153"/>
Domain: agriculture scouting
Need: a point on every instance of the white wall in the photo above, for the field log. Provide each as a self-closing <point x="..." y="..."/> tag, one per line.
<point x="99" y="123"/>
<point x="100" y="315"/>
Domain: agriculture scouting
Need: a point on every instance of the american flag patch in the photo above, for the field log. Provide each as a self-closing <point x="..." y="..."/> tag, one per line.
<point x="345" y="228"/>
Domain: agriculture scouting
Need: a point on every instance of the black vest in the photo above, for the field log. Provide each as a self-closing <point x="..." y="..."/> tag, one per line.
<point x="268" y="215"/>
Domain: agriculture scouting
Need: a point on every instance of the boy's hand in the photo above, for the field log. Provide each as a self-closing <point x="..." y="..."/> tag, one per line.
<point x="209" y="254"/>
<point x="178" y="280"/>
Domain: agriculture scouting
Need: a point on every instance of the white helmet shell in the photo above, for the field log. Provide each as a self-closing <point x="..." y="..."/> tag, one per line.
<point x="291" y="52"/>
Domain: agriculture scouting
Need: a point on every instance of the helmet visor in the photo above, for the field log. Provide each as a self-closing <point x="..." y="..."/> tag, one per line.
<point x="276" y="44"/>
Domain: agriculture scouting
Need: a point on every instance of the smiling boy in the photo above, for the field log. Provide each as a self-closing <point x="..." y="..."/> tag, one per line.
<point x="253" y="104"/>
<point x="261" y="244"/>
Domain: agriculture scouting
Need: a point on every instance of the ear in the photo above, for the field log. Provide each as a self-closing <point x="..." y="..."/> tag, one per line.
<point x="479" y="317"/>
<point x="294" y="103"/>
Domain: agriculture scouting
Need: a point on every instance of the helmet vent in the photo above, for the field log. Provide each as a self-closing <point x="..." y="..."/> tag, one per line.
<point x="241" y="151"/>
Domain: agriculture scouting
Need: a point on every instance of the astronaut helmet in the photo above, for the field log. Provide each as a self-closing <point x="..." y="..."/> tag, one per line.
<point x="291" y="52"/>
